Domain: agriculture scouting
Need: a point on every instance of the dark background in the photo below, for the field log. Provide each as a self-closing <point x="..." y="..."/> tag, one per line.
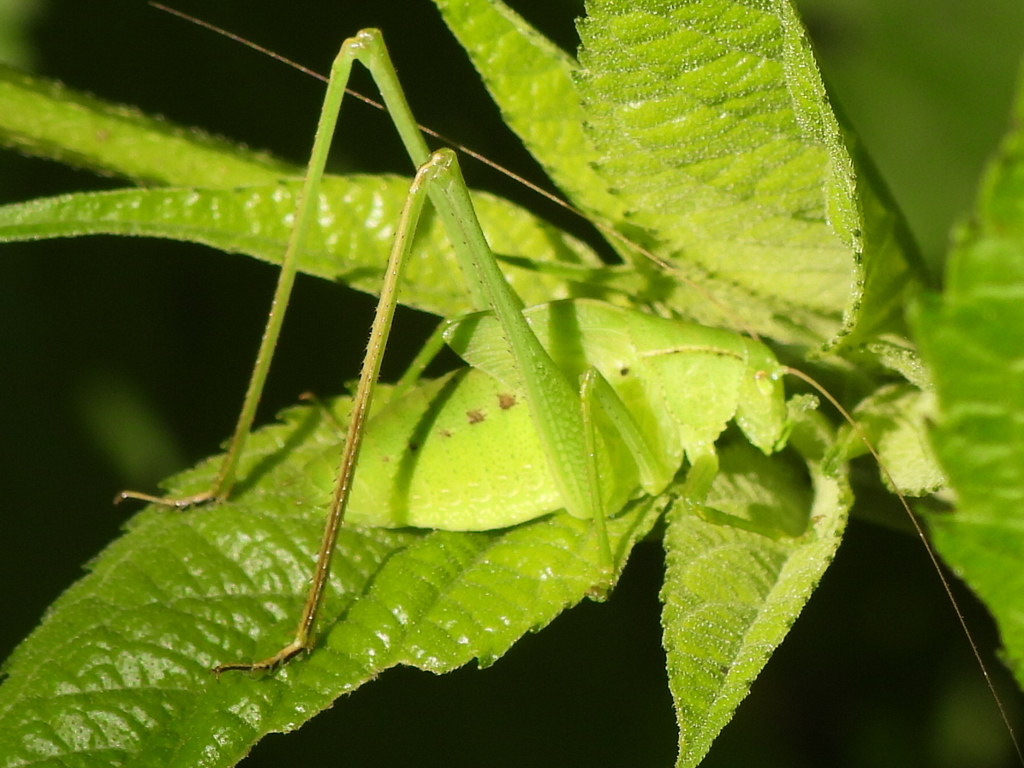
<point x="122" y="360"/>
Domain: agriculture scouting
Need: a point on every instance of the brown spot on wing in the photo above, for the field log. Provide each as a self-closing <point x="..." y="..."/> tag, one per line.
<point x="475" y="417"/>
<point x="506" y="400"/>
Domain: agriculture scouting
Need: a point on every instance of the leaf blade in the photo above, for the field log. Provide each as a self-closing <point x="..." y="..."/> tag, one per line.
<point x="119" y="669"/>
<point x="970" y="337"/>
<point x="731" y="593"/>
<point x="349" y="244"/>
<point x="714" y="129"/>
<point x="45" y="118"/>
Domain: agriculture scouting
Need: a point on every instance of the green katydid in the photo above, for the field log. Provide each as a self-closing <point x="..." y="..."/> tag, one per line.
<point x="547" y="442"/>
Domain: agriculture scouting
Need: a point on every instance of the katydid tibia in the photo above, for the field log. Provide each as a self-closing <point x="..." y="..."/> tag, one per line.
<point x="576" y="404"/>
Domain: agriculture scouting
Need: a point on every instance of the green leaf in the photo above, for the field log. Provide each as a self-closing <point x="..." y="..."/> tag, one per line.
<point x="731" y="593"/>
<point x="118" y="672"/>
<point x="726" y="241"/>
<point x="971" y="338"/>
<point x="714" y="147"/>
<point x="531" y="80"/>
<point x="715" y="130"/>
<point x="45" y="118"/>
<point x="350" y="244"/>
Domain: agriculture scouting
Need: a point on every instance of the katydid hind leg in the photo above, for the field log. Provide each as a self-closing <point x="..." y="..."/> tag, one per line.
<point x="556" y="408"/>
<point x="367" y="47"/>
<point x="361" y="403"/>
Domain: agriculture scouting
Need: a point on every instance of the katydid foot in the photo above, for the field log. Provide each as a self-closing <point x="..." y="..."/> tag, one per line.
<point x="181" y="502"/>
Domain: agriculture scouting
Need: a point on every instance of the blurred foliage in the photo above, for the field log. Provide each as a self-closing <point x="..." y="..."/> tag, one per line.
<point x="16" y="19"/>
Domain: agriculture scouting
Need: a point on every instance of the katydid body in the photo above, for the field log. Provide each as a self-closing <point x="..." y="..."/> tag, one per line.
<point x="410" y="472"/>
